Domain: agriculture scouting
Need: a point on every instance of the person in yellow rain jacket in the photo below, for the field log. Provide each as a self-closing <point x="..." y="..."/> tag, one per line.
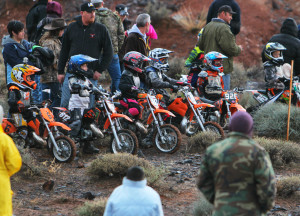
<point x="10" y="163"/>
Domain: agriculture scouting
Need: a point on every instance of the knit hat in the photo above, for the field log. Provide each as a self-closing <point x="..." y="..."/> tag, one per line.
<point x="54" y="8"/>
<point x="241" y="122"/>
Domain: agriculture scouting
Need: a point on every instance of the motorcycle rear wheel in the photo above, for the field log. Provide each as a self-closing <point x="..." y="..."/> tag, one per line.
<point x="194" y="128"/>
<point x="173" y="139"/>
<point x="68" y="148"/>
<point x="128" y="142"/>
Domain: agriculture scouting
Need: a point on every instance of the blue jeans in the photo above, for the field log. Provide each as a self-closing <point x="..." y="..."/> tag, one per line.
<point x="65" y="92"/>
<point x="226" y="80"/>
<point x="37" y="93"/>
<point x="114" y="71"/>
<point x="54" y="93"/>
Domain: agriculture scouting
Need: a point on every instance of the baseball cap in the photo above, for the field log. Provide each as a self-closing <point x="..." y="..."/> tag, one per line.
<point x="122" y="9"/>
<point x="88" y="7"/>
<point x="96" y="1"/>
<point x="226" y="8"/>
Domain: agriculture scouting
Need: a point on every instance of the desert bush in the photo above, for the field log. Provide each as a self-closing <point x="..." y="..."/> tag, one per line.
<point x="238" y="76"/>
<point x="158" y="11"/>
<point x="280" y="152"/>
<point x="202" y="207"/>
<point x="247" y="100"/>
<point x="200" y="141"/>
<point x="117" y="165"/>
<point x="271" y="121"/>
<point x="30" y="166"/>
<point x="92" y="208"/>
<point x="177" y="68"/>
<point x="288" y="185"/>
<point x="189" y="20"/>
<point x="256" y="73"/>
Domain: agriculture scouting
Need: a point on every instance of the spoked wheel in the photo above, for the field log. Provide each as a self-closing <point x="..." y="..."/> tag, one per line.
<point x="170" y="140"/>
<point x="128" y="142"/>
<point x="214" y="127"/>
<point x="67" y="149"/>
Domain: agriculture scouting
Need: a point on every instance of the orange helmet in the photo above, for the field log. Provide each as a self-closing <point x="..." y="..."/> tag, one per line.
<point x="22" y="73"/>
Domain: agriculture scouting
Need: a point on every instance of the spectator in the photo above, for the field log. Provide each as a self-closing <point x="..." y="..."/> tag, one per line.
<point x="86" y="37"/>
<point x="15" y="47"/>
<point x="235" y="24"/>
<point x="134" y="197"/>
<point x="288" y="38"/>
<point x="122" y="12"/>
<point x="236" y="174"/>
<point x="10" y="163"/>
<point x="54" y="10"/>
<point x="51" y="40"/>
<point x="35" y="15"/>
<point x="115" y="28"/>
<point x="216" y="36"/>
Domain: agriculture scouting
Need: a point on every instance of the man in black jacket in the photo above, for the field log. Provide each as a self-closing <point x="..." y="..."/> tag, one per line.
<point x="288" y="38"/>
<point x="235" y="24"/>
<point x="84" y="37"/>
<point x="35" y="15"/>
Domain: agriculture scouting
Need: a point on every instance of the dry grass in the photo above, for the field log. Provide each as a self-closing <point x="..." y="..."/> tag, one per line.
<point x="200" y="141"/>
<point x="177" y="68"/>
<point x="238" y="77"/>
<point x="116" y="165"/>
<point x="189" y="20"/>
<point x="288" y="186"/>
<point x="281" y="152"/>
<point x="158" y="11"/>
<point x="92" y="208"/>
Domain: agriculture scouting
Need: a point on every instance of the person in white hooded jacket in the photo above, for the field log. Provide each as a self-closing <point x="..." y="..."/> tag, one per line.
<point x="134" y="197"/>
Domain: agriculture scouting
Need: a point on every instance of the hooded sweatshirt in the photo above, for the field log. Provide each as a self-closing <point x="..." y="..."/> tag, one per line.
<point x="136" y="41"/>
<point x="288" y="38"/>
<point x="114" y="26"/>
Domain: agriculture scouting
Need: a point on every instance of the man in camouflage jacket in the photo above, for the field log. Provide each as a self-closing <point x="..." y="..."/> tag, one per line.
<point x="236" y="175"/>
<point x="114" y="25"/>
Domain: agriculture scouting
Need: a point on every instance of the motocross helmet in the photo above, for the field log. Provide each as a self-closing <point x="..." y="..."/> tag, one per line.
<point x="159" y="59"/>
<point x="214" y="60"/>
<point x="24" y="74"/>
<point x="75" y="62"/>
<point x="272" y="47"/>
<point x="45" y="55"/>
<point x="133" y="61"/>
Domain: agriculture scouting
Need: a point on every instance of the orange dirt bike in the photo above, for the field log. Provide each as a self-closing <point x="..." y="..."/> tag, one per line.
<point x="60" y="146"/>
<point x="188" y="112"/>
<point x="166" y="137"/>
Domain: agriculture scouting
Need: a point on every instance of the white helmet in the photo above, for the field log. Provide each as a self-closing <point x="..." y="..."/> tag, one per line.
<point x="159" y="57"/>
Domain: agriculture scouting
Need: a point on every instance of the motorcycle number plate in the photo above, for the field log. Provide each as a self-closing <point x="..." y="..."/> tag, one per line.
<point x="191" y="98"/>
<point x="153" y="101"/>
<point x="110" y="106"/>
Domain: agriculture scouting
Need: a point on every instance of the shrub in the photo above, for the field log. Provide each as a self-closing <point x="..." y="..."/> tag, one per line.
<point x="201" y="141"/>
<point x="281" y="152"/>
<point x="117" y="165"/>
<point x="247" y="100"/>
<point x="271" y="121"/>
<point x="94" y="208"/>
<point x="177" y="68"/>
<point x="256" y="73"/>
<point x="158" y="11"/>
<point x="288" y="185"/>
<point x="202" y="207"/>
<point x="238" y="77"/>
<point x="189" y="20"/>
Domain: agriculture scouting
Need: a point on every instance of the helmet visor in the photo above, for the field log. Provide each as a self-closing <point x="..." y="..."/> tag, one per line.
<point x="163" y="60"/>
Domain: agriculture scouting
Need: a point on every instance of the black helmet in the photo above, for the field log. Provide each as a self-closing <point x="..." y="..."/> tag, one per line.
<point x="44" y="54"/>
<point x="133" y="61"/>
<point x="272" y="47"/>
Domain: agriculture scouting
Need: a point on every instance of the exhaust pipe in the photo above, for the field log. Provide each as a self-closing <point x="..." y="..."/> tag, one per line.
<point x="141" y="127"/>
<point x="38" y="139"/>
<point x="96" y="131"/>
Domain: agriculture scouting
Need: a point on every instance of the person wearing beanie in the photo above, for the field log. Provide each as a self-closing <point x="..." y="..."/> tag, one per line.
<point x="236" y="174"/>
<point x="134" y="197"/>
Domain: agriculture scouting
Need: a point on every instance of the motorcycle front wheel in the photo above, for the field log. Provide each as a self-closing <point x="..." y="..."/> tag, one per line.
<point x="67" y="147"/>
<point x="171" y="137"/>
<point x="128" y="142"/>
<point x="193" y="128"/>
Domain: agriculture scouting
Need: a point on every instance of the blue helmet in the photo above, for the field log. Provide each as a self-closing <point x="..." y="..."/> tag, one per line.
<point x="76" y="61"/>
<point x="210" y="60"/>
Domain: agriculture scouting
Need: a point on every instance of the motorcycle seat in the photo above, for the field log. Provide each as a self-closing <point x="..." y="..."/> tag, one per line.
<point x="118" y="105"/>
<point x="205" y="100"/>
<point x="262" y="91"/>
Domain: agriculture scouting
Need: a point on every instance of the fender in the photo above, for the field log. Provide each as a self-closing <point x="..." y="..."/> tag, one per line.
<point x="113" y="116"/>
<point x="236" y="107"/>
<point x="8" y="127"/>
<point x="203" y="105"/>
<point x="59" y="124"/>
<point x="150" y="118"/>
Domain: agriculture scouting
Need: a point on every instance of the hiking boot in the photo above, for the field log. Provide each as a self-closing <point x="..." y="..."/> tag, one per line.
<point x="89" y="148"/>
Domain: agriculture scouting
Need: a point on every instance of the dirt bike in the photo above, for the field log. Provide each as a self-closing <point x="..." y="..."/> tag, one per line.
<point x="166" y="137"/>
<point x="189" y="116"/>
<point x="271" y="95"/>
<point x="60" y="146"/>
<point x="123" y="140"/>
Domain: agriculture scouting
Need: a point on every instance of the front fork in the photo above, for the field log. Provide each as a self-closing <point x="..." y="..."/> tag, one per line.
<point x="158" y="122"/>
<point x="51" y="137"/>
<point x="115" y="127"/>
<point x="198" y="115"/>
